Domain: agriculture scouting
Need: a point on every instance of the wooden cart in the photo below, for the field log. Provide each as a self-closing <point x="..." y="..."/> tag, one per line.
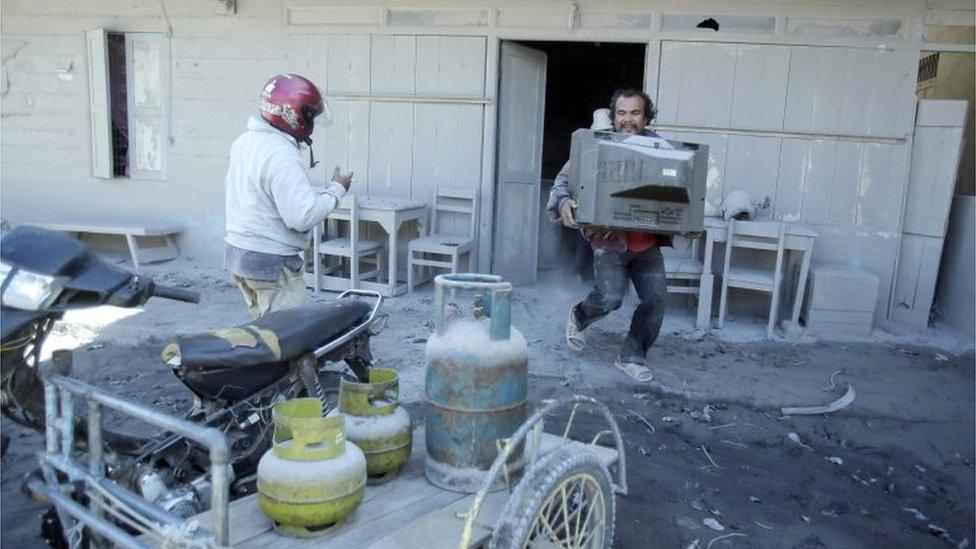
<point x="566" y="498"/>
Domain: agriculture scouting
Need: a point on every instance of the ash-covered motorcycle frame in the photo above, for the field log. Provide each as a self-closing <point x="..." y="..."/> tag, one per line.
<point x="67" y="479"/>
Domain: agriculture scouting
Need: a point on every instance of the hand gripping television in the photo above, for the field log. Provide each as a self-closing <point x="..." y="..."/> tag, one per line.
<point x="638" y="182"/>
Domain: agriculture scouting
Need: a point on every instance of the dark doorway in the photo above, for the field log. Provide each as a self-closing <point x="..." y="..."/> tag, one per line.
<point x="580" y="78"/>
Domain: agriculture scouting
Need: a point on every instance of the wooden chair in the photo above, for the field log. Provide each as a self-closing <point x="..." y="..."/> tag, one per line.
<point x="686" y="273"/>
<point x="447" y="246"/>
<point x="756" y="235"/>
<point x="349" y="247"/>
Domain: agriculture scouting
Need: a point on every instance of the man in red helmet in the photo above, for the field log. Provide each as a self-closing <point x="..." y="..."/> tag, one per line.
<point x="271" y="204"/>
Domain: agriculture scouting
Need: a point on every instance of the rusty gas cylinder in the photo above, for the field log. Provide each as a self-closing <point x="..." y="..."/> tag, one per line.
<point x="476" y="384"/>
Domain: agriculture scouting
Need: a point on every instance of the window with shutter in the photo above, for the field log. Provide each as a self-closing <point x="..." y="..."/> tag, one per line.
<point x="98" y="104"/>
<point x="128" y="85"/>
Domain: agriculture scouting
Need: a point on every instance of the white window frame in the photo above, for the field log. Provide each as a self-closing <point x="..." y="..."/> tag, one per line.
<point x="157" y="113"/>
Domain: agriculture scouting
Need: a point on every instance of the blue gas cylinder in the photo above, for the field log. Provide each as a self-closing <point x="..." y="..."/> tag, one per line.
<point x="477" y="380"/>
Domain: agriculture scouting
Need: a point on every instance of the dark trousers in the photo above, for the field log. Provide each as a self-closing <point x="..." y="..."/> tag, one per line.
<point x="584" y="256"/>
<point x="612" y="270"/>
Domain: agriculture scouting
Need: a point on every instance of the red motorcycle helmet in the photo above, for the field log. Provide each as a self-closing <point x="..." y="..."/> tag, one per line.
<point x="290" y="103"/>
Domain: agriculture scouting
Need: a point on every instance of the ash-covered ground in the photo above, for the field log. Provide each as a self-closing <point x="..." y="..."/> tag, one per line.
<point x="711" y="460"/>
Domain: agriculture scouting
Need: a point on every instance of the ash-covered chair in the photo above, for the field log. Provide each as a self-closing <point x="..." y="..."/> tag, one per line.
<point x="684" y="276"/>
<point x="444" y="251"/>
<point x="350" y="248"/>
<point x="756" y="235"/>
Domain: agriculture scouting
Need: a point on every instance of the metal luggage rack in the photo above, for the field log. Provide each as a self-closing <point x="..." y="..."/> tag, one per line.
<point x="62" y="473"/>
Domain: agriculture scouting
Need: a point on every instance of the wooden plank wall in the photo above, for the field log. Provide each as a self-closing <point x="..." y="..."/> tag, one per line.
<point x="395" y="140"/>
<point x="821" y="132"/>
<point x="936" y="149"/>
<point x="219" y="63"/>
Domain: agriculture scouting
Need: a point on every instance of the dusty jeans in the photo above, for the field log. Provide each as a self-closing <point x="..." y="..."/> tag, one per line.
<point x="266" y="296"/>
<point x="612" y="270"/>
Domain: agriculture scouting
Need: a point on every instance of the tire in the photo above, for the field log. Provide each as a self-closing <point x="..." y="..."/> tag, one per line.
<point x="536" y="512"/>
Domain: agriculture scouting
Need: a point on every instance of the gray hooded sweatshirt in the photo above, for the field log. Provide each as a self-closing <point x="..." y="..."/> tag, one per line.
<point x="271" y="204"/>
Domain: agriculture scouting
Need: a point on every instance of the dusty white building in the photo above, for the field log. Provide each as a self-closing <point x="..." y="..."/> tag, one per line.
<point x="811" y="104"/>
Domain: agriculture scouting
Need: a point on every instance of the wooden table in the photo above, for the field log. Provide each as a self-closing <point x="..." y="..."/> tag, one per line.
<point x="390" y="214"/>
<point x="799" y="239"/>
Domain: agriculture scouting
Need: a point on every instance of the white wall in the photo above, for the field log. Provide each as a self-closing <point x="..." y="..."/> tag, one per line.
<point x="412" y="85"/>
<point x="219" y="63"/>
<point x="821" y="132"/>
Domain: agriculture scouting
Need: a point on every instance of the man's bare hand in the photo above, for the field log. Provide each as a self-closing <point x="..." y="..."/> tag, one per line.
<point x="344" y="179"/>
<point x="566" y="213"/>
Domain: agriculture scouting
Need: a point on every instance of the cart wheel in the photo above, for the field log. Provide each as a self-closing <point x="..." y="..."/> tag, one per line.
<point x="565" y="500"/>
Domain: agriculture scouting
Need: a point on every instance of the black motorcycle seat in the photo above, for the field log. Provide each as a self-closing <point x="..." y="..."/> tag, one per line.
<point x="278" y="337"/>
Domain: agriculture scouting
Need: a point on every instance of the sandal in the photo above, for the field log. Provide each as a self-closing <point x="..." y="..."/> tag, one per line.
<point x="638" y="372"/>
<point x="575" y="337"/>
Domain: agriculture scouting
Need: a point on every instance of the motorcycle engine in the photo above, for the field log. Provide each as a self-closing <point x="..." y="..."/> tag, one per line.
<point x="182" y="501"/>
<point x="150" y="483"/>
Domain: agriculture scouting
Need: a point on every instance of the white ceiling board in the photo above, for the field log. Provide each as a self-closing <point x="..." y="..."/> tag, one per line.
<point x="848" y="91"/>
<point x="314" y="53"/>
<point x="391" y="136"/>
<point x="451" y="65"/>
<point x="932" y="179"/>
<point x="759" y="91"/>
<point x="918" y="270"/>
<point x="717" y="150"/>
<point x="695" y="83"/>
<point x="394" y="60"/>
<point x="843" y="191"/>
<point x="816" y="88"/>
<point x="348" y="59"/>
<point x="344" y="142"/>
<point x="806" y="178"/>
<point x="447" y="153"/>
<point x="753" y="166"/>
<point x="880" y="187"/>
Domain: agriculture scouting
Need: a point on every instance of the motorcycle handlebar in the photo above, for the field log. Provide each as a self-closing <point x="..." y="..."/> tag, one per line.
<point x="177" y="294"/>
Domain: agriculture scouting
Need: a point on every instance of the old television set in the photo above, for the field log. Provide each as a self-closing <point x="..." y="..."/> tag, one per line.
<point x="638" y="182"/>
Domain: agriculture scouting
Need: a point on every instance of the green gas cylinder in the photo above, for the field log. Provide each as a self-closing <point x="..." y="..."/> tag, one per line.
<point x="312" y="477"/>
<point x="376" y="422"/>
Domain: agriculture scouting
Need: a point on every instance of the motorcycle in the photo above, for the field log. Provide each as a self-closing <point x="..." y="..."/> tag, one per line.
<point x="236" y="375"/>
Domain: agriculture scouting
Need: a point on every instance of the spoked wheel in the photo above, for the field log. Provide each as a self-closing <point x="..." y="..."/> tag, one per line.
<point x="566" y="501"/>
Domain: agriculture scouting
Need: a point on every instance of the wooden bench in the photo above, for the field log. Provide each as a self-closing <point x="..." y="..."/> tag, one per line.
<point x="131" y="232"/>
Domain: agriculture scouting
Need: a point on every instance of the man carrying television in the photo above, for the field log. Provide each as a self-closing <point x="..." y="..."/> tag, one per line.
<point x="619" y="257"/>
